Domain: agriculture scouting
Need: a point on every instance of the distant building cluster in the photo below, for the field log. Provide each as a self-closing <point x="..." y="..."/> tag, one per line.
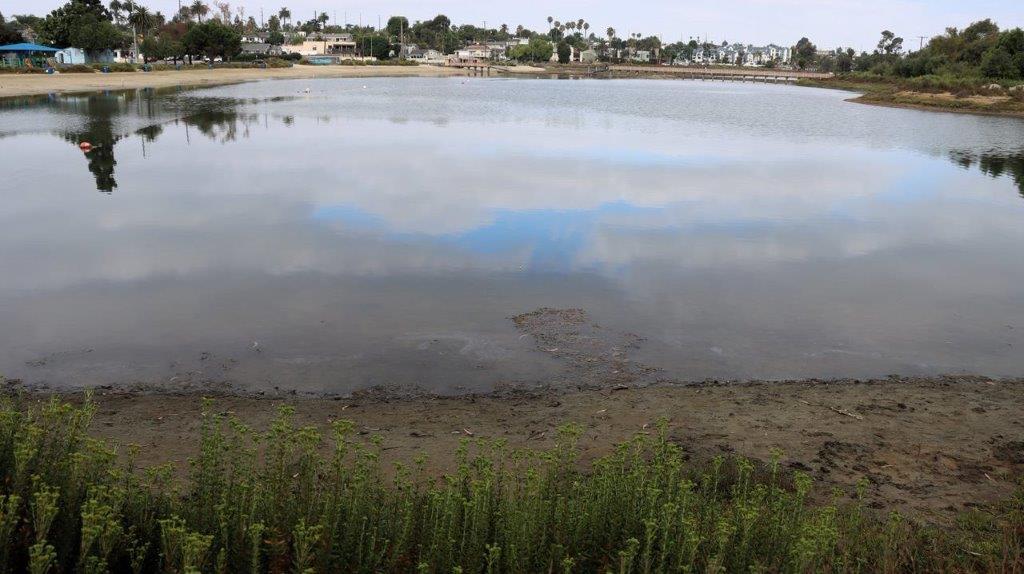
<point x="727" y="54"/>
<point x="737" y="55"/>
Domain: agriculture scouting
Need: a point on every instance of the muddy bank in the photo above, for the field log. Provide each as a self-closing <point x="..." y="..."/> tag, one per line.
<point x="891" y="95"/>
<point x="996" y="107"/>
<point x="929" y="447"/>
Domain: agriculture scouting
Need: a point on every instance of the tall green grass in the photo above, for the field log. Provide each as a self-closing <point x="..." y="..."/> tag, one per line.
<point x="291" y="500"/>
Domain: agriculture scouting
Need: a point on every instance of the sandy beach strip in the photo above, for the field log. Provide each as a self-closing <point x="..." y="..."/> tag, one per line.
<point x="13" y="85"/>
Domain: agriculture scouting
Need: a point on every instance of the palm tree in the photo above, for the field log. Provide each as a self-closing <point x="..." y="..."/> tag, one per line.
<point x="611" y="33"/>
<point x="184" y="14"/>
<point x="199" y="10"/>
<point x="140" y="19"/>
<point x="586" y="27"/>
<point x="550" y="20"/>
<point x="115" y="10"/>
<point x="284" y="14"/>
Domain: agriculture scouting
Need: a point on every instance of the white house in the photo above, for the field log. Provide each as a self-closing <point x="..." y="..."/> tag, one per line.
<point x="70" y="56"/>
<point x="738" y="55"/>
<point x="475" y="52"/>
<point x="261" y="49"/>
<point x="257" y="38"/>
<point x="422" y="56"/>
<point x="641" y="56"/>
<point x="342" y="45"/>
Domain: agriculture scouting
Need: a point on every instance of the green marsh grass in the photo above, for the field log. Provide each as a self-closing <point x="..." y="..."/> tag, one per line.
<point x="291" y="500"/>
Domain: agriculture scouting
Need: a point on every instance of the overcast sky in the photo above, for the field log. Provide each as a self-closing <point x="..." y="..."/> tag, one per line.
<point x="829" y="23"/>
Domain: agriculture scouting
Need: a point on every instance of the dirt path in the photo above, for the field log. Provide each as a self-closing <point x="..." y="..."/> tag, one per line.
<point x="928" y="447"/>
<point x="36" y="84"/>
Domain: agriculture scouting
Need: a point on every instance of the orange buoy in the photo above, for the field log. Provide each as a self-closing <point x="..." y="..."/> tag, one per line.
<point x="85" y="146"/>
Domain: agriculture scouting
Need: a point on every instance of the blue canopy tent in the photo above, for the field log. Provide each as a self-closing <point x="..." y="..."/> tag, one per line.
<point x="25" y="55"/>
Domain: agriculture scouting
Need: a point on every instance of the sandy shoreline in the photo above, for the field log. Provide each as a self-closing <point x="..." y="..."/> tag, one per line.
<point x="13" y="85"/>
<point x="17" y="85"/>
<point x="929" y="447"/>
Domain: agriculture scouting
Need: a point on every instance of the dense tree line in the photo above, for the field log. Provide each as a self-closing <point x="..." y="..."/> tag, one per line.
<point x="979" y="50"/>
<point x="201" y="30"/>
<point x="90" y="25"/>
<point x="9" y="33"/>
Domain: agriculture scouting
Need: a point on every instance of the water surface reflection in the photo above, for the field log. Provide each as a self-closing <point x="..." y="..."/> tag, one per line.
<point x="383" y="231"/>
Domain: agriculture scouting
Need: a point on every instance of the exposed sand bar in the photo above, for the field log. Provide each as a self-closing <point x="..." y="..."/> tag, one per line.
<point x="36" y="84"/>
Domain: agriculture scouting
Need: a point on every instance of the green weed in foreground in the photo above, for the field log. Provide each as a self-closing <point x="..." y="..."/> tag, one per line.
<point x="272" y="502"/>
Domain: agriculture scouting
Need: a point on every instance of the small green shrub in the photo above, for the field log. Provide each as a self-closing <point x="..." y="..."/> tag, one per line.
<point x="22" y="71"/>
<point x="278" y="63"/>
<point x="276" y="501"/>
<point x="115" y="66"/>
<point x="76" y="69"/>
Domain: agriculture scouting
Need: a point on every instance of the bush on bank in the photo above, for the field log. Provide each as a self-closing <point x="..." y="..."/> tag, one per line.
<point x="274" y="502"/>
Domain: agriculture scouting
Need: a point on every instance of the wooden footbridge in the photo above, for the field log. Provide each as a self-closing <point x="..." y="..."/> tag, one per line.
<point x="475" y="67"/>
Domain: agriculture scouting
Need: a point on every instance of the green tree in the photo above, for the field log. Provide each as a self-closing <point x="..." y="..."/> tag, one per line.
<point x="998" y="64"/>
<point x="213" y="39"/>
<point x="275" y="38"/>
<point x="844" y="61"/>
<point x="96" y="35"/>
<point x="84" y="24"/>
<point x="199" y="10"/>
<point x="539" y="49"/>
<point x="117" y="10"/>
<point x="805" y="52"/>
<point x="890" y="43"/>
<point x="564" y="52"/>
<point x="141" y="19"/>
<point x="398" y="27"/>
<point x="155" y="49"/>
<point x="435" y="33"/>
<point x="373" y="44"/>
<point x="8" y="33"/>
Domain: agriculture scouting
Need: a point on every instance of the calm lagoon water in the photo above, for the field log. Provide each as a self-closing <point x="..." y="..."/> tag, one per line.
<point x="383" y="231"/>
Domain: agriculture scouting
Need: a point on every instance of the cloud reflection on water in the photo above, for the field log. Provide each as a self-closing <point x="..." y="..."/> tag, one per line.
<point x="651" y="219"/>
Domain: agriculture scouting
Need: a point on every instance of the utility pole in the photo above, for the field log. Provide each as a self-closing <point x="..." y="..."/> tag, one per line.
<point x="921" y="46"/>
<point x="135" y="36"/>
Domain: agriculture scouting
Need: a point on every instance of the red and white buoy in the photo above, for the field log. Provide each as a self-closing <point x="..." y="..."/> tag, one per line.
<point x="85" y="146"/>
